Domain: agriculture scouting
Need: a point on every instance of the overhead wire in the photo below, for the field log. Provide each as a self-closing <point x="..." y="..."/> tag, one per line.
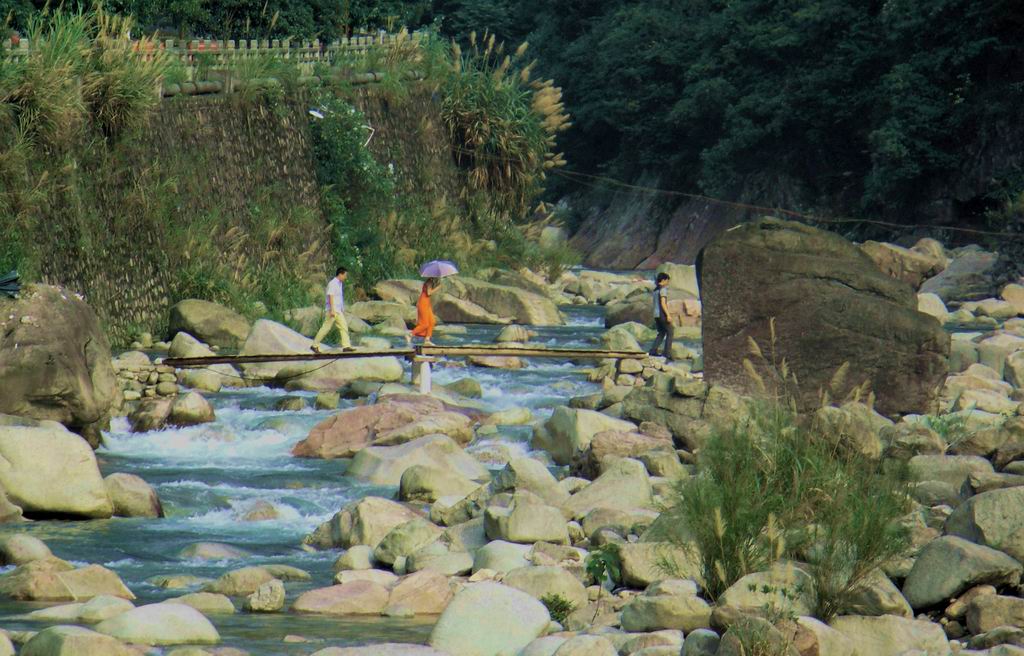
<point x="584" y="179"/>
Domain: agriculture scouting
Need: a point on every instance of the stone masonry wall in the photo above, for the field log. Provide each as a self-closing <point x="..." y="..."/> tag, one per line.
<point x="211" y="156"/>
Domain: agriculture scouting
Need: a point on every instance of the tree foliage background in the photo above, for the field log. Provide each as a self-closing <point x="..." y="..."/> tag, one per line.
<point x="898" y="107"/>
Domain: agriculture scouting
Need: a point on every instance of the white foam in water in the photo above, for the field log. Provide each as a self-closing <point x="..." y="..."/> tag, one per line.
<point x="584" y="321"/>
<point x="224" y="441"/>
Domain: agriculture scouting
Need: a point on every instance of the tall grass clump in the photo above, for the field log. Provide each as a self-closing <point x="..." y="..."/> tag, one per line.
<point x="267" y="267"/>
<point x="83" y="71"/>
<point x="777" y="486"/>
<point x="502" y="123"/>
<point x="121" y="85"/>
<point x="82" y="85"/>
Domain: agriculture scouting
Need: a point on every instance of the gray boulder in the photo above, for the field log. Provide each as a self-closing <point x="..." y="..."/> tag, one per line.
<point x="212" y="323"/>
<point x="843" y="311"/>
<point x="55" y="361"/>
<point x="950" y="565"/>
<point x="488" y="619"/>
<point x="994" y="519"/>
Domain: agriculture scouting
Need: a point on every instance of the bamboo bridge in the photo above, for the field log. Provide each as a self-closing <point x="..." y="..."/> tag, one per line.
<point x="419" y="355"/>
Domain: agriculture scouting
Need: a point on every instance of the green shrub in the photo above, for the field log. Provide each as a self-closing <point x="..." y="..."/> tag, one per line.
<point x="357" y="192"/>
<point x="951" y="426"/>
<point x="558" y="607"/>
<point x="771" y="487"/>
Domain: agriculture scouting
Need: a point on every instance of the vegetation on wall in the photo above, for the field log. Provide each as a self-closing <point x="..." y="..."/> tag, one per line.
<point x="501" y="125"/>
<point x="78" y="191"/>
<point x="82" y="88"/>
<point x="78" y="179"/>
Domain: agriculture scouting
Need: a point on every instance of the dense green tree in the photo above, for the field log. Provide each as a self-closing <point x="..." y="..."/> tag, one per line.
<point x="14" y="15"/>
<point x="852" y="105"/>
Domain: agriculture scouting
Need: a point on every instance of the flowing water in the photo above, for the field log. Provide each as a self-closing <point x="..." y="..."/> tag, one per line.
<point x="209" y="476"/>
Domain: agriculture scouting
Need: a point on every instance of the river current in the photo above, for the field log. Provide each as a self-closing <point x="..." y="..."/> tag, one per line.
<point x="208" y="477"/>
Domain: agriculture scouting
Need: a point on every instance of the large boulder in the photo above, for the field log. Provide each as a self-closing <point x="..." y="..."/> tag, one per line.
<point x="21" y="548"/>
<point x="522" y="279"/>
<point x="828" y="306"/>
<point x="950" y="565"/>
<point x="406" y="539"/>
<point x="622" y="445"/>
<point x="994" y="519"/>
<point x="488" y="619"/>
<point x="55" y="361"/>
<point x="544" y="581"/>
<point x="240" y="582"/>
<point x="523" y="306"/>
<point x="681" y="276"/>
<point x="393" y="420"/>
<point x="623" y="485"/>
<point x="213" y="323"/>
<point x="891" y="636"/>
<point x="988" y="612"/>
<point x="268" y="598"/>
<point x="381" y="649"/>
<point x="161" y="624"/>
<point x="530" y="475"/>
<point x="35" y="458"/>
<point x="682" y="307"/>
<point x="51" y="579"/>
<point x="643" y="563"/>
<point x="74" y="641"/>
<point x="132" y="496"/>
<point x="451" y="309"/>
<point x="404" y="291"/>
<point x="672" y="604"/>
<point x="270" y="337"/>
<point x="969" y="277"/>
<point x="876" y="594"/>
<point x="429" y="483"/>
<point x="382" y="311"/>
<point x="526" y="520"/>
<point x="384" y="465"/>
<point x="208" y="603"/>
<point x="501" y="556"/>
<point x="190" y="409"/>
<point x="784" y="586"/>
<point x="362" y="522"/>
<point x="355" y="598"/>
<point x="424" y="593"/>
<point x="569" y="431"/>
<point x="910" y="266"/>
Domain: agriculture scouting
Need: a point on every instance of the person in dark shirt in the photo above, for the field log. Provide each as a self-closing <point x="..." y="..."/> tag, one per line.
<point x="662" y="318"/>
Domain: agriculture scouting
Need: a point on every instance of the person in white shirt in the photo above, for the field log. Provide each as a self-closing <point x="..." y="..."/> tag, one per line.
<point x="334" y="307"/>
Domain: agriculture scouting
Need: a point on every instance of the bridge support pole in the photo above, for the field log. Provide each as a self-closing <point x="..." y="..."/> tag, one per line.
<point x="425" y="377"/>
<point x="422" y="371"/>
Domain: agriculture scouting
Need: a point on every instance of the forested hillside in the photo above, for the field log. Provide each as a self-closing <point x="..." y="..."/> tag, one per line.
<point x="895" y="109"/>
<point x="898" y="108"/>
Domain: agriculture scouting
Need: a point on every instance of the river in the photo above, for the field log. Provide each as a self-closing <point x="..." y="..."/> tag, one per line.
<point x="209" y="476"/>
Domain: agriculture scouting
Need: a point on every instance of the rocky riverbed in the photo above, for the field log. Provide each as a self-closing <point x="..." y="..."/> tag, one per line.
<point x="333" y="510"/>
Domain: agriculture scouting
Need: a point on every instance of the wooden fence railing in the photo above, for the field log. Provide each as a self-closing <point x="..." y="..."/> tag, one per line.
<point x="200" y="57"/>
